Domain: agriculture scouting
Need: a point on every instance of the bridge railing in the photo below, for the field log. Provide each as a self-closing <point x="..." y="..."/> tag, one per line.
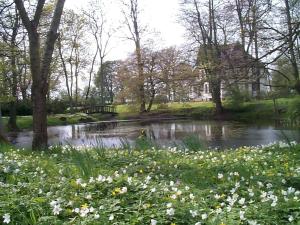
<point x="98" y="109"/>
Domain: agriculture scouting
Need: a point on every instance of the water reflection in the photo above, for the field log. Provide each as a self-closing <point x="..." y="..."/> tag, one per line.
<point x="164" y="133"/>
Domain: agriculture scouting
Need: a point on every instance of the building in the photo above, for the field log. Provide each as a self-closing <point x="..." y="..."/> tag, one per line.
<point x="237" y="70"/>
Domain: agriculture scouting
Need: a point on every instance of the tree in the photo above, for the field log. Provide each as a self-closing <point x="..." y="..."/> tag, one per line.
<point x="40" y="65"/>
<point x="10" y="26"/>
<point x="202" y="26"/>
<point x="97" y="23"/>
<point x="70" y="44"/>
<point x="132" y="20"/>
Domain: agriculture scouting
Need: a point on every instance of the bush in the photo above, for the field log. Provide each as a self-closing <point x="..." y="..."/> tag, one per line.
<point x="237" y="98"/>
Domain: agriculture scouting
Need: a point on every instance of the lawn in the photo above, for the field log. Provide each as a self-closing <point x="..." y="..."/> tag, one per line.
<point x="249" y="185"/>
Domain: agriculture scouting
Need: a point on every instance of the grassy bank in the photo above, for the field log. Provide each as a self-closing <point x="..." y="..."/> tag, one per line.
<point x="248" y="185"/>
<point x="247" y="112"/>
<point x="25" y="122"/>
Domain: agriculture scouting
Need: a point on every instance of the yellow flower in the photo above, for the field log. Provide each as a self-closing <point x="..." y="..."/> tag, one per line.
<point x="173" y="223"/>
<point x="141" y="171"/>
<point x="84" y="206"/>
<point x="222" y="223"/>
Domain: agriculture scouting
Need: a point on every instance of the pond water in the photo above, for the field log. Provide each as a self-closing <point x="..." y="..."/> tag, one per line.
<point x="221" y="134"/>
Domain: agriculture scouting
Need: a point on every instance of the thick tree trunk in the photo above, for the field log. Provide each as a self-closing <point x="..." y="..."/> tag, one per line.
<point x="40" y="137"/>
<point x="216" y="95"/>
<point x="40" y="66"/>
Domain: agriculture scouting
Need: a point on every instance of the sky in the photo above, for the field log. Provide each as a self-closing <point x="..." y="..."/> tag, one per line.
<point x="160" y="17"/>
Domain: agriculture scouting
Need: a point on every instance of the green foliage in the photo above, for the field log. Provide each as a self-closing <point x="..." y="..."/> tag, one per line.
<point x="193" y="143"/>
<point x="237" y="98"/>
<point x="294" y="110"/>
<point x="144" y="143"/>
<point x="249" y="185"/>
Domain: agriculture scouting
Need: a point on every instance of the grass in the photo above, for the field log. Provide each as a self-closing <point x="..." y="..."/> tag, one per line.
<point x="25" y="122"/>
<point x="261" y="110"/>
<point x="249" y="185"/>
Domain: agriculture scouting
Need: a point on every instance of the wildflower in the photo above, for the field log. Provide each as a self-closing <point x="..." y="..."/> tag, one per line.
<point x="194" y="213"/>
<point x="242" y="201"/>
<point x="153" y="222"/>
<point x="56" y="209"/>
<point x="191" y="196"/>
<point x="204" y="216"/>
<point x="123" y="190"/>
<point x="220" y="175"/>
<point x="111" y="217"/>
<point x="129" y="180"/>
<point x="97" y="216"/>
<point x="291" y="218"/>
<point x="109" y="179"/>
<point x="242" y="215"/>
<point x="198" y="223"/>
<point x="6" y="218"/>
<point x="170" y="212"/>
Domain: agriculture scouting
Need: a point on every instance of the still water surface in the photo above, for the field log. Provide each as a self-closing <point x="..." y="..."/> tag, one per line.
<point x="164" y="133"/>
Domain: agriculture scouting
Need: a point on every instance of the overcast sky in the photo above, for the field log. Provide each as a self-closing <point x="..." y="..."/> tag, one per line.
<point x="160" y="16"/>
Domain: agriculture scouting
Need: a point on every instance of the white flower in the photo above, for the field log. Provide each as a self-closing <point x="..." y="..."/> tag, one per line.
<point x="170" y="212"/>
<point x="56" y="210"/>
<point x="6" y="218"/>
<point x="192" y="196"/>
<point x="198" y="223"/>
<point x="97" y="216"/>
<point x="242" y="201"/>
<point x="219" y="210"/>
<point x="220" y="175"/>
<point x="194" y="213"/>
<point x="173" y="196"/>
<point x="111" y="217"/>
<point x="291" y="218"/>
<point x="204" y="216"/>
<point x="129" y="180"/>
<point x="89" y="196"/>
<point x="153" y="222"/>
<point x="123" y="190"/>
<point x="252" y="222"/>
<point x="242" y="215"/>
<point x="109" y="179"/>
<point x="169" y="205"/>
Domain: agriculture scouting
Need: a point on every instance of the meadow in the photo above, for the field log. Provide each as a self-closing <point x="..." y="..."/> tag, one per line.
<point x="67" y="185"/>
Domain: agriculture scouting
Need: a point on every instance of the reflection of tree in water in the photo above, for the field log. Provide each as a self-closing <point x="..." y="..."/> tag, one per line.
<point x="101" y="126"/>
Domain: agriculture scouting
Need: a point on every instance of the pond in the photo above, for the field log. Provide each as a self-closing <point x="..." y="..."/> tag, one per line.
<point x="220" y="134"/>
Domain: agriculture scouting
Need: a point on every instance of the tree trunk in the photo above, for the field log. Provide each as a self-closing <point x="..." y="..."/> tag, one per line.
<point x="291" y="46"/>
<point x="12" y="122"/>
<point x="216" y="95"/>
<point x="40" y="66"/>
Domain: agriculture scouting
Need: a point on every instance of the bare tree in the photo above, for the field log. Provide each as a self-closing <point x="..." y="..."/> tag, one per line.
<point x="97" y="23"/>
<point x="40" y="65"/>
<point x="132" y="20"/>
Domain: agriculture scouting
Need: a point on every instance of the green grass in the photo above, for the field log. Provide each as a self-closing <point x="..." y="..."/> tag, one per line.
<point x="248" y="185"/>
<point x="25" y="122"/>
<point x="261" y="110"/>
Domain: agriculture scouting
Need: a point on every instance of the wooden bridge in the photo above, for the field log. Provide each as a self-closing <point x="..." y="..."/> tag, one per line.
<point x="105" y="109"/>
